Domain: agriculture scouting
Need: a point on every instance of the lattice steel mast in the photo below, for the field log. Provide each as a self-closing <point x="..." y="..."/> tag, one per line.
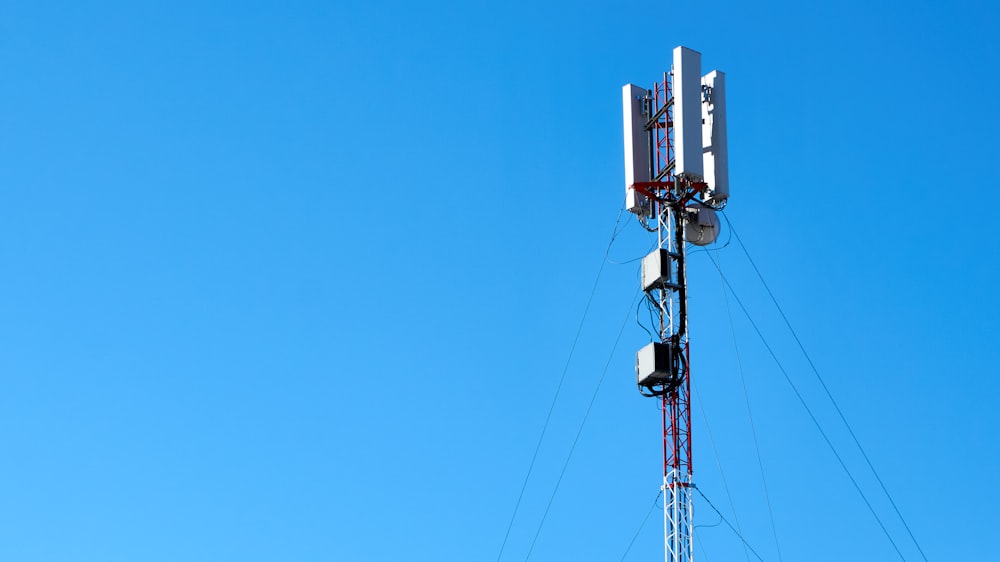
<point x="676" y="177"/>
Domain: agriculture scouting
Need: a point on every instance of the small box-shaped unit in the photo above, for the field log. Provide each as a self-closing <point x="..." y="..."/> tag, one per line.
<point x="657" y="270"/>
<point x="654" y="366"/>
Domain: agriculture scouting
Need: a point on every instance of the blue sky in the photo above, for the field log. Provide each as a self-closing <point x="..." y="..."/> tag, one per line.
<point x="297" y="281"/>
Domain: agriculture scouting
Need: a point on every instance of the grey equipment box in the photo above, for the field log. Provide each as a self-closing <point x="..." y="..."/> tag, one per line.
<point x="654" y="366"/>
<point x="657" y="270"/>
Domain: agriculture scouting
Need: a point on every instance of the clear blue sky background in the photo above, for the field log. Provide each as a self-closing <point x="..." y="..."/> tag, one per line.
<point x="297" y="281"/>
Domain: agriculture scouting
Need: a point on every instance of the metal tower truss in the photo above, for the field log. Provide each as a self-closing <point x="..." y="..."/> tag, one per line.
<point x="676" y="177"/>
<point x="669" y="196"/>
<point x="668" y="206"/>
<point x="660" y="124"/>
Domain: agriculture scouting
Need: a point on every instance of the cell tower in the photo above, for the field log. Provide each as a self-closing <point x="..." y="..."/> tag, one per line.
<point x="676" y="177"/>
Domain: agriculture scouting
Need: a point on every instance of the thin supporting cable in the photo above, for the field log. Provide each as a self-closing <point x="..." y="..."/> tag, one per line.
<point x="718" y="462"/>
<point x="733" y="529"/>
<point x="704" y="526"/>
<point x="701" y="545"/>
<point x="829" y="395"/>
<point x="583" y="422"/>
<point x="746" y="397"/>
<point x="562" y="378"/>
<point x="633" y="260"/>
<point x="809" y="411"/>
<point x="645" y="329"/>
<point x="641" y="525"/>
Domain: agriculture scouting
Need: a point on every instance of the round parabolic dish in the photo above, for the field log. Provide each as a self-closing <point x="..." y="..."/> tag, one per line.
<point x="703" y="227"/>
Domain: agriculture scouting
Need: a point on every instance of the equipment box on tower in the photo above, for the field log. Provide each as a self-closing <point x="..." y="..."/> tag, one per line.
<point x="654" y="366"/>
<point x="656" y="270"/>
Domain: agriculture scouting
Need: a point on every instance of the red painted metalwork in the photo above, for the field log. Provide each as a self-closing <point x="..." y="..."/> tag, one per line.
<point x="649" y="188"/>
<point x="667" y="449"/>
<point x="696" y="187"/>
<point x="677" y="426"/>
<point x="669" y="195"/>
<point x="663" y="124"/>
<point x="676" y="404"/>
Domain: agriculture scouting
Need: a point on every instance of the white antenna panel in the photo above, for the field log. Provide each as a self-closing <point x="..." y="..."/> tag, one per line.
<point x="637" y="158"/>
<point x="716" y="156"/>
<point x="688" y="146"/>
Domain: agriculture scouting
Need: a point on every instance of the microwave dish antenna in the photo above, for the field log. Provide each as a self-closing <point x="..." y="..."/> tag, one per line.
<point x="702" y="226"/>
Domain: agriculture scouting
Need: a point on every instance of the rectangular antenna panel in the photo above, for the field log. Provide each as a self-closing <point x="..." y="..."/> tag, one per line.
<point x="716" y="157"/>
<point x="687" y="114"/>
<point x="637" y="158"/>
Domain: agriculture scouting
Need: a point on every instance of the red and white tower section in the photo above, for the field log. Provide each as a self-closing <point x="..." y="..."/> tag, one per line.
<point x="676" y="178"/>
